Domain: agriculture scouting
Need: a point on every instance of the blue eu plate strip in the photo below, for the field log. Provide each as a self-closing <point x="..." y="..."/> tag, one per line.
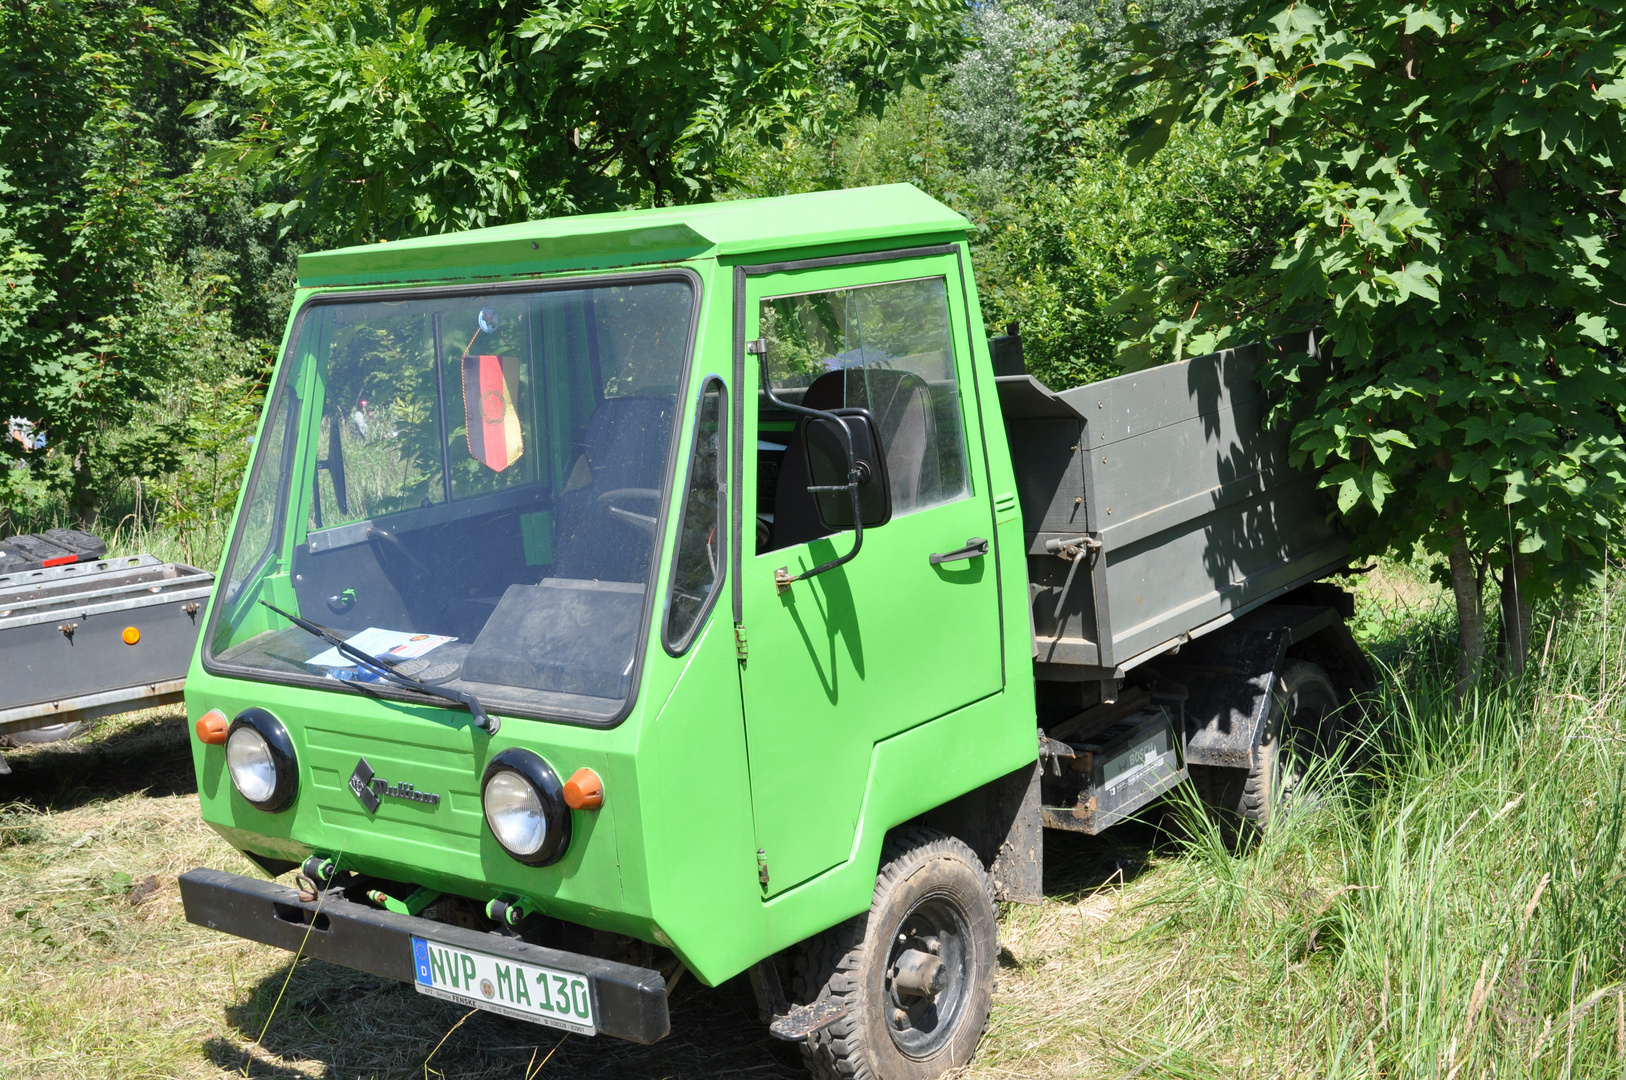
<point x="420" y="958"/>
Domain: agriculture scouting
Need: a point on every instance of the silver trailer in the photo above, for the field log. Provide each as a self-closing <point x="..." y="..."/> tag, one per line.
<point x="88" y="639"/>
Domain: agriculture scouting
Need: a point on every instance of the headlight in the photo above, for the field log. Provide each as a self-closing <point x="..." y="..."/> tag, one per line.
<point x="525" y="807"/>
<point x="260" y="758"/>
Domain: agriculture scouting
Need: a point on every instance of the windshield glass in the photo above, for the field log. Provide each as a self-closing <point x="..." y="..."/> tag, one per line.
<point x="468" y="484"/>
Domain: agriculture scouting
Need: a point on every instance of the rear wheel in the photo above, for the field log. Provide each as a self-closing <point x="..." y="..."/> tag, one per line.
<point x="916" y="971"/>
<point x="51" y="733"/>
<point x="1302" y="725"/>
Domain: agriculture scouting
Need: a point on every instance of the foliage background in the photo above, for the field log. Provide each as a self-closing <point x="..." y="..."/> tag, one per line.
<point x="162" y="164"/>
<point x="1433" y="186"/>
<point x="1454" y="173"/>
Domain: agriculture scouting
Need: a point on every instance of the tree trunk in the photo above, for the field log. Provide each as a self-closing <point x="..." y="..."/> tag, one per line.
<point x="1470" y="619"/>
<point x="1514" y="648"/>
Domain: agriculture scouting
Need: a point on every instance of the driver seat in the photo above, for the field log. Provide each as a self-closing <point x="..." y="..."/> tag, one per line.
<point x="626" y="445"/>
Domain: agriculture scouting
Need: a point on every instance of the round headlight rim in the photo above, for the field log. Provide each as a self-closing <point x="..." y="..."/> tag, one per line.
<point x="276" y="737"/>
<point x="550" y="790"/>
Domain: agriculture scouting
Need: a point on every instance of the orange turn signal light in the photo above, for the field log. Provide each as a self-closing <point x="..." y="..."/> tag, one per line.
<point x="131" y="635"/>
<point x="584" y="790"/>
<point x="212" y="727"/>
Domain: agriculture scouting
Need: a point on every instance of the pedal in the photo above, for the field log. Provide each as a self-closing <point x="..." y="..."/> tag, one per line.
<point x="804" y="1020"/>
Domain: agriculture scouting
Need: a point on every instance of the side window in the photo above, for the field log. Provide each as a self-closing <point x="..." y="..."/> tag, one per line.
<point x="697" y="567"/>
<point x="259" y="529"/>
<point x="886" y="348"/>
<point x="378" y="447"/>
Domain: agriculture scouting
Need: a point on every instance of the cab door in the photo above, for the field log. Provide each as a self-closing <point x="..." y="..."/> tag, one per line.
<point x="907" y="631"/>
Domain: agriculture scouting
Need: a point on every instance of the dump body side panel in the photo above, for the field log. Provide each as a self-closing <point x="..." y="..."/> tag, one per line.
<point x="1186" y="507"/>
<point x="1201" y="514"/>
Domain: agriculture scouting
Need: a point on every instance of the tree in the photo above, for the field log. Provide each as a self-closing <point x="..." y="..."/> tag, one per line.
<point x="390" y="121"/>
<point x="1457" y="173"/>
<point x="1008" y="135"/>
<point x="99" y="236"/>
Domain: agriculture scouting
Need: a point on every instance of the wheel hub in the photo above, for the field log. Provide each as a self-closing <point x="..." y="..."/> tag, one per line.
<point x="928" y="976"/>
<point x="919" y="973"/>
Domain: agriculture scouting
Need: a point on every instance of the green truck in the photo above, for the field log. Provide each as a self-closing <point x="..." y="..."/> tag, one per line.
<point x="698" y="588"/>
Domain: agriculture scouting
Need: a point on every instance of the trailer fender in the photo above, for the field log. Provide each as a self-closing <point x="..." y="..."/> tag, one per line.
<point x="1229" y="675"/>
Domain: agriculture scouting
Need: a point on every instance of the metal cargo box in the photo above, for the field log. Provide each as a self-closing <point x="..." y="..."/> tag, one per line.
<point x="1157" y="507"/>
<point x="92" y="638"/>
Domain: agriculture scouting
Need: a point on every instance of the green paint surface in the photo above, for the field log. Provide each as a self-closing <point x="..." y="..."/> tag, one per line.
<point x="869" y="694"/>
<point x="536" y="533"/>
<point x="881" y="216"/>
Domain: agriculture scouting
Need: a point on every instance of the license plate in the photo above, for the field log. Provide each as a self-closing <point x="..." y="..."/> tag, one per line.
<point x="524" y="991"/>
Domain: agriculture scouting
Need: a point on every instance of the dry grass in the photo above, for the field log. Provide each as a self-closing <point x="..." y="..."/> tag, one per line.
<point x="93" y="985"/>
<point x="1454" y="909"/>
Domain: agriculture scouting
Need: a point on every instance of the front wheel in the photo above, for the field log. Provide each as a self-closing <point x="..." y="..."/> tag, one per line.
<point x="915" y="972"/>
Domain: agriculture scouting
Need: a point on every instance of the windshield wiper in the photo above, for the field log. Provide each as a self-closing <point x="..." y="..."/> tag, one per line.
<point x="488" y="724"/>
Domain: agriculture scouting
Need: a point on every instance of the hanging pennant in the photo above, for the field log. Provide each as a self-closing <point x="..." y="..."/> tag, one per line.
<point x="490" y="385"/>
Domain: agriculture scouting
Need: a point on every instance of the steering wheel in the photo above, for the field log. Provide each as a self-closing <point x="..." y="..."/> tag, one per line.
<point x="425" y="581"/>
<point x="642" y="522"/>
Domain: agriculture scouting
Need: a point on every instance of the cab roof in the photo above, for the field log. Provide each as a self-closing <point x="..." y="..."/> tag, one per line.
<point x="640" y="237"/>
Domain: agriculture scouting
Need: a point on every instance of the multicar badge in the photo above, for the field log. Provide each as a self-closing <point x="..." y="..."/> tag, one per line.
<point x="370" y="788"/>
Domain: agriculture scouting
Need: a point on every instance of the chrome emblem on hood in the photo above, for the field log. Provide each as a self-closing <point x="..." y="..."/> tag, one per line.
<point x="371" y="789"/>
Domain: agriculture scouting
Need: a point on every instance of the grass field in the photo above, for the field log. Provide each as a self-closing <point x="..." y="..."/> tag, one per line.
<point x="1452" y="907"/>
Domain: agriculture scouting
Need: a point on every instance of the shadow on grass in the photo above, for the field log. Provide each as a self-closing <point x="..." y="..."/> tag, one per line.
<point x="349" y="1024"/>
<point x="1076" y="864"/>
<point x="151" y="755"/>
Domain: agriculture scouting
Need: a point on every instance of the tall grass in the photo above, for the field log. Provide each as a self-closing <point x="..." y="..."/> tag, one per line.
<point x="1454" y="905"/>
<point x="198" y="543"/>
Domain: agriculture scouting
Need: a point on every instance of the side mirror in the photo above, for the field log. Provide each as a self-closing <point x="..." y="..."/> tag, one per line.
<point x="826" y="442"/>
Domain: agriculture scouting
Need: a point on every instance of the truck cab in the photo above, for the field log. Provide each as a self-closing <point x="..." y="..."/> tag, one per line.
<point x="623" y="593"/>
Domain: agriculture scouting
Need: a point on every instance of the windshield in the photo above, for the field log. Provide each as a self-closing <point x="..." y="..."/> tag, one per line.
<point x="467" y="484"/>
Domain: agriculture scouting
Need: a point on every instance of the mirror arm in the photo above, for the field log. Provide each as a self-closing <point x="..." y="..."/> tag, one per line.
<point x="767" y="389"/>
<point x="782" y="577"/>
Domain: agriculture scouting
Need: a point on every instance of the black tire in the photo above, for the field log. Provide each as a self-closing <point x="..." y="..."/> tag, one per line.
<point x="931" y="886"/>
<point x="1303" y="724"/>
<point x="53" y="733"/>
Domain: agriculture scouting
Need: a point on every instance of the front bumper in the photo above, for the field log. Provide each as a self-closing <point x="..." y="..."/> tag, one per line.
<point x="630" y="1002"/>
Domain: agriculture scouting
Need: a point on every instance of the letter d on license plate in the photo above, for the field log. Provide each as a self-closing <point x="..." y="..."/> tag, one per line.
<point x="561" y="999"/>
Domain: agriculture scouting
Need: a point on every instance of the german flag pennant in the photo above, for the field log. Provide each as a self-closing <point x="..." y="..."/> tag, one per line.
<point x="490" y="385"/>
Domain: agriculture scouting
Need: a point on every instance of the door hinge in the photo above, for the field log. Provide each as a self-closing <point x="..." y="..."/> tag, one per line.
<point x="756" y="347"/>
<point x="740" y="647"/>
<point x="762" y="867"/>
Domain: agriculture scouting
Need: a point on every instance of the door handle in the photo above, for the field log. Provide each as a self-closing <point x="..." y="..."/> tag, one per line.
<point x="974" y="548"/>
